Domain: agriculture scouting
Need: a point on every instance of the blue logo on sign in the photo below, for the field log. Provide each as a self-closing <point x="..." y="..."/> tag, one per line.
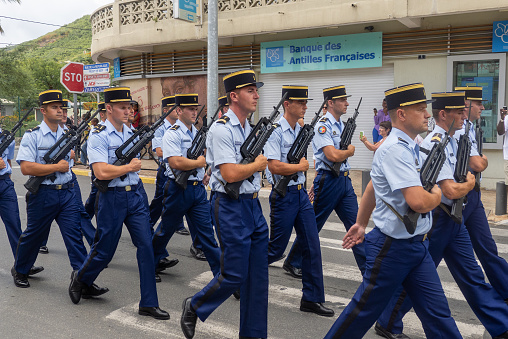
<point x="275" y="57"/>
<point x="500" y="36"/>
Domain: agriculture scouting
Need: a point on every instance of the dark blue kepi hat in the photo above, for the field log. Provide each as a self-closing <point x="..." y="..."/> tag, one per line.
<point x="101" y="106"/>
<point x="117" y="94"/>
<point x="241" y="79"/>
<point x="472" y="93"/>
<point x="448" y="100"/>
<point x="406" y="95"/>
<point x="223" y="101"/>
<point x="168" y="101"/>
<point x="335" y="92"/>
<point x="52" y="95"/>
<point x="66" y="104"/>
<point x="296" y="92"/>
<point x="186" y="99"/>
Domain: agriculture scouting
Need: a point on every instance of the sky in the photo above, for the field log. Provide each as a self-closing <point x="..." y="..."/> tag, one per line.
<point x="59" y="12"/>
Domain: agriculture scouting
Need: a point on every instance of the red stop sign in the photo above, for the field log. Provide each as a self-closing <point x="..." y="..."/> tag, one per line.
<point x="71" y="77"/>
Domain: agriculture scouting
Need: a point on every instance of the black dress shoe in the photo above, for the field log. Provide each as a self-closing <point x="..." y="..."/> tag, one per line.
<point x="318" y="308"/>
<point x="189" y="318"/>
<point x="165" y="263"/>
<point x="44" y="250"/>
<point x="154" y="312"/>
<point x="293" y="271"/>
<point x="20" y="279"/>
<point x="197" y="253"/>
<point x="35" y="269"/>
<point x="183" y="231"/>
<point x="75" y="288"/>
<point x="236" y="294"/>
<point x="384" y="333"/>
<point x="157" y="278"/>
<point x="93" y="291"/>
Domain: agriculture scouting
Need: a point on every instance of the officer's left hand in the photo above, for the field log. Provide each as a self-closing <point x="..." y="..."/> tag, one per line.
<point x="354" y="236"/>
<point x="72" y="154"/>
<point x="2" y="164"/>
<point x="470" y="180"/>
<point x="206" y="179"/>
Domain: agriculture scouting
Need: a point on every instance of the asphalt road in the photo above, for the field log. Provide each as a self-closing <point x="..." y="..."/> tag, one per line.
<point x="45" y="311"/>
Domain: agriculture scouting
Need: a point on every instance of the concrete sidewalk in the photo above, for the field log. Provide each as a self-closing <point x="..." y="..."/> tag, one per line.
<point x="149" y="172"/>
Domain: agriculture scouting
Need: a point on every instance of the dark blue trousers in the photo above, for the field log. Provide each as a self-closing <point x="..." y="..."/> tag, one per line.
<point x="90" y="202"/>
<point x="87" y="228"/>
<point x="243" y="238"/>
<point x="386" y="270"/>
<point x="295" y="210"/>
<point x="9" y="212"/>
<point x="451" y="242"/>
<point x="475" y="220"/>
<point x="42" y="208"/>
<point x="191" y="202"/>
<point x="332" y="193"/>
<point x="116" y="207"/>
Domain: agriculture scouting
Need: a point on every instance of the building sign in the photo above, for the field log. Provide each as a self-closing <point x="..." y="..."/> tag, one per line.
<point x="116" y="68"/>
<point x="185" y="10"/>
<point x="96" y="78"/>
<point x="314" y="54"/>
<point x="500" y="36"/>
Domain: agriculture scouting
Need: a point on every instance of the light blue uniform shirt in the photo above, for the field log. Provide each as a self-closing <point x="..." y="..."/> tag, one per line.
<point x="7" y="155"/>
<point x="34" y="146"/>
<point x="175" y="143"/>
<point x="223" y="144"/>
<point x="451" y="159"/>
<point x="277" y="148"/>
<point x="328" y="133"/>
<point x="472" y="137"/>
<point x="396" y="165"/>
<point x="159" y="133"/>
<point x="102" y="146"/>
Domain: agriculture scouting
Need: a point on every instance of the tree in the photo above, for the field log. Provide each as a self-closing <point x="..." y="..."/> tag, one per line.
<point x="18" y="1"/>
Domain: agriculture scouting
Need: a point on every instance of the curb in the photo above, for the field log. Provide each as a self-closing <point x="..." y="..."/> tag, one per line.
<point x="86" y="173"/>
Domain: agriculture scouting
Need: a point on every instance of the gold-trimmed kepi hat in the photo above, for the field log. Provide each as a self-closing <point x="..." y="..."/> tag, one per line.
<point x="223" y="101"/>
<point x="66" y="104"/>
<point x="101" y="106"/>
<point x="241" y="79"/>
<point x="117" y="94"/>
<point x="296" y="92"/>
<point x="472" y="93"/>
<point x="52" y="95"/>
<point x="168" y="101"/>
<point x="186" y="99"/>
<point x="406" y="95"/>
<point x="335" y="92"/>
<point x="448" y="100"/>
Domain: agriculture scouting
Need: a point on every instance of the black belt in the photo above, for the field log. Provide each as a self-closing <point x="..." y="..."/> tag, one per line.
<point x="4" y="176"/>
<point x="191" y="182"/>
<point x="342" y="174"/>
<point x="242" y="196"/>
<point x="57" y="187"/>
<point x="127" y="188"/>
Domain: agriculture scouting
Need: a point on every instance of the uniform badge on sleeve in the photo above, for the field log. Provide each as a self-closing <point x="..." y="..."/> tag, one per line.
<point x="322" y="129"/>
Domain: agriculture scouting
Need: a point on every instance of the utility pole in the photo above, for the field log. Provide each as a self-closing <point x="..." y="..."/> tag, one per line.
<point x="213" y="59"/>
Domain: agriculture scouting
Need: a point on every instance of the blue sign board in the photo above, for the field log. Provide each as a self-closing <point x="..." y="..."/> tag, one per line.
<point x="500" y="36"/>
<point x="314" y="54"/>
<point x="116" y="68"/>
<point x="185" y="10"/>
<point x="95" y="89"/>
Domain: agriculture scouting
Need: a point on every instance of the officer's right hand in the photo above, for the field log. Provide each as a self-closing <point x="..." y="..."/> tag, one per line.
<point x="470" y="180"/>
<point x="304" y="164"/>
<point x="351" y="150"/>
<point x="2" y="164"/>
<point x="436" y="190"/>
<point x="135" y="165"/>
<point x="201" y="161"/>
<point x="261" y="162"/>
<point x="62" y="166"/>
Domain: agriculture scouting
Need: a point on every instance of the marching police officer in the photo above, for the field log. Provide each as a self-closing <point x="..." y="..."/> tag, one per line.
<point x="448" y="240"/>
<point x="331" y="192"/>
<point x="192" y="200"/>
<point x="396" y="257"/>
<point x="241" y="228"/>
<point x="123" y="197"/>
<point x="294" y="209"/>
<point x="55" y="199"/>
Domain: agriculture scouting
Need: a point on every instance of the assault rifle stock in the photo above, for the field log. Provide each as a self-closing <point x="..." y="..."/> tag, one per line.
<point x="479" y="144"/>
<point x="297" y="151"/>
<point x="253" y="145"/>
<point x="138" y="140"/>
<point x="6" y="137"/>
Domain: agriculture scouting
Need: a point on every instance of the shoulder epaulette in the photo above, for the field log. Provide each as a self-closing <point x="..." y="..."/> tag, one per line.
<point x="223" y="120"/>
<point x="175" y="127"/>
<point x="276" y="125"/>
<point x="33" y="129"/>
<point x="99" y="128"/>
<point x="404" y="141"/>
<point x="436" y="137"/>
<point x="134" y="130"/>
<point x="323" y="119"/>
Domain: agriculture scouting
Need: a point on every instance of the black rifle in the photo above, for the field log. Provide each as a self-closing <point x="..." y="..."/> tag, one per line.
<point x="132" y="147"/>
<point x="195" y="150"/>
<point x="298" y="151"/>
<point x="428" y="176"/>
<point x="59" y="151"/>
<point x="253" y="145"/>
<point x="479" y="144"/>
<point x="461" y="170"/>
<point x="345" y="139"/>
<point x="6" y="137"/>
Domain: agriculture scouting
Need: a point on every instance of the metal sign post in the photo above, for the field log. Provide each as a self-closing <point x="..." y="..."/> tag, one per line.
<point x="213" y="59"/>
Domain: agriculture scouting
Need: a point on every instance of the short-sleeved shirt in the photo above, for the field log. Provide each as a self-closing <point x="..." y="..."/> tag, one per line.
<point x="7" y="155"/>
<point x="328" y="133"/>
<point x="396" y="165"/>
<point x="159" y="133"/>
<point x="102" y="144"/>
<point x="223" y="143"/>
<point x="36" y="143"/>
<point x="451" y="156"/>
<point x="278" y="146"/>
<point x="175" y="143"/>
